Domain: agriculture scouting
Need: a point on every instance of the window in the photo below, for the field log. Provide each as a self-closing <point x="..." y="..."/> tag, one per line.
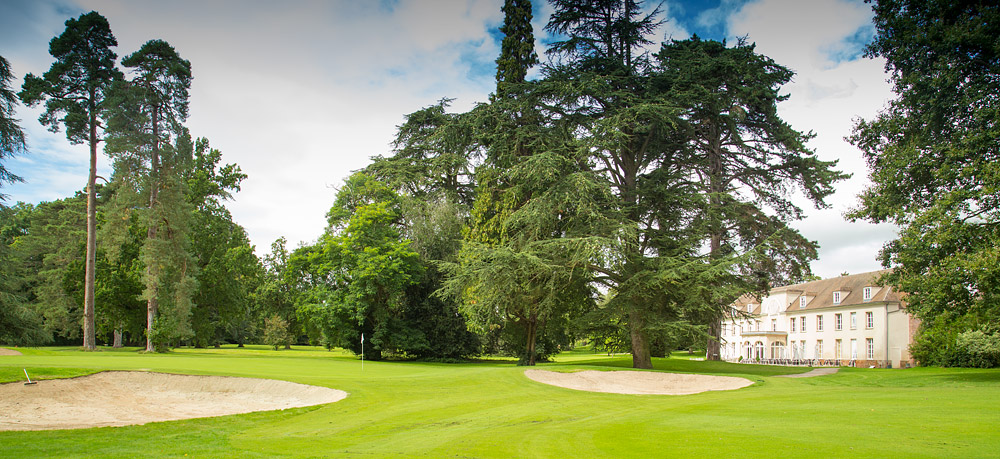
<point x="791" y="323"/>
<point x="867" y="293"/>
<point x="774" y="324"/>
<point x="869" y="319"/>
<point x="802" y="301"/>
<point x="758" y="325"/>
<point x="838" y="320"/>
<point x="802" y="324"/>
<point x="749" y="308"/>
<point x="836" y="297"/>
<point x="870" y="345"/>
<point x="802" y="349"/>
<point x="819" y="322"/>
<point x="854" y="349"/>
<point x="838" y="349"/>
<point x="733" y="329"/>
<point x="854" y="320"/>
<point x="819" y="349"/>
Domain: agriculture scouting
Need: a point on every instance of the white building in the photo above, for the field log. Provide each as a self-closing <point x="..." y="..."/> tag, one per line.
<point x="847" y="320"/>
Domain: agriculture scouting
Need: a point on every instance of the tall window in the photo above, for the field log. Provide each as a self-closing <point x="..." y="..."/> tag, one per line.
<point x="854" y="320"/>
<point x="867" y="293"/>
<point x="802" y="324"/>
<point x="802" y="301"/>
<point x="836" y="297"/>
<point x="870" y="345"/>
<point x="854" y="349"/>
<point x="791" y="325"/>
<point x="758" y="325"/>
<point x="819" y="322"/>
<point x="802" y="346"/>
<point x="869" y="319"/>
<point x="819" y="349"/>
<point x="838" y="349"/>
<point x="774" y="324"/>
<point x="750" y="308"/>
<point x="838" y="320"/>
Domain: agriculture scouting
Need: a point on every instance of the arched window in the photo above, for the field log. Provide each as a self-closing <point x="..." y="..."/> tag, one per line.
<point x="777" y="350"/>
<point x="759" y="348"/>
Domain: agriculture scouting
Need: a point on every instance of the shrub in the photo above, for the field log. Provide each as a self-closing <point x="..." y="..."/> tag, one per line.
<point x="276" y="332"/>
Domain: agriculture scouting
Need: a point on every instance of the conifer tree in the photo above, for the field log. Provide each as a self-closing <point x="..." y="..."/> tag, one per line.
<point x="75" y="89"/>
<point x="147" y="113"/>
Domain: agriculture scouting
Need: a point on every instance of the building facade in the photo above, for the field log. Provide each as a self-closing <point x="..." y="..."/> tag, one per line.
<point x="847" y="320"/>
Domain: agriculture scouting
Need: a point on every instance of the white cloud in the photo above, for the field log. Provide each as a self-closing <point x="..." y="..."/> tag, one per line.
<point x="827" y="94"/>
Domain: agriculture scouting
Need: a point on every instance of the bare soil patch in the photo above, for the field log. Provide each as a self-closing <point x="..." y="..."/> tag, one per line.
<point x="637" y="382"/>
<point x="5" y="351"/>
<point x="119" y="398"/>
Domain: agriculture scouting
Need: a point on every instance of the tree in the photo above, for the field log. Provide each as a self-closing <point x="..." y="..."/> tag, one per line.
<point x="145" y="113"/>
<point x="371" y="266"/>
<point x="75" y="88"/>
<point x="18" y="324"/>
<point x="602" y="89"/>
<point x="746" y="161"/>
<point x="933" y="159"/>
<point x="11" y="135"/>
<point x="517" y="51"/>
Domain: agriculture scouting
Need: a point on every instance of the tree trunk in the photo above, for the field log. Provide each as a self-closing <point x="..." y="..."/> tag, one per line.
<point x="118" y="339"/>
<point x="640" y="344"/>
<point x="532" y="330"/>
<point x="152" y="305"/>
<point x="716" y="187"/>
<point x="90" y="276"/>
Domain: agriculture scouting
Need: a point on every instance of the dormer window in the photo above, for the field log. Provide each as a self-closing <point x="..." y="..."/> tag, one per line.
<point x="802" y="301"/>
<point x="836" y="297"/>
<point x="750" y="308"/>
<point x="867" y="293"/>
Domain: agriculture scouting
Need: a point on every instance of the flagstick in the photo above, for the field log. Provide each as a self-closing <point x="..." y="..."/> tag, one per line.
<point x="362" y="352"/>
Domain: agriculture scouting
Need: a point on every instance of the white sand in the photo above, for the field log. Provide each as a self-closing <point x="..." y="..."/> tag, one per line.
<point x="5" y="351"/>
<point x="637" y="382"/>
<point x="118" y="398"/>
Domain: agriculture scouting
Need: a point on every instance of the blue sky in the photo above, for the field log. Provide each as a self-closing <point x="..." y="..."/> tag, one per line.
<point x="303" y="92"/>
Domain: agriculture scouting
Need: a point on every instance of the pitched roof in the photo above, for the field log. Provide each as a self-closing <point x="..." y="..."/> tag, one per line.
<point x="819" y="294"/>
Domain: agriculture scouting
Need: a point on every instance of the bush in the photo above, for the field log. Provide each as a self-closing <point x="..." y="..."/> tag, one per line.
<point x="957" y="343"/>
<point x="276" y="332"/>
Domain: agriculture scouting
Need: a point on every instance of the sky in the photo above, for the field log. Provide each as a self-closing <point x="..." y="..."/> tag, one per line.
<point x="301" y="93"/>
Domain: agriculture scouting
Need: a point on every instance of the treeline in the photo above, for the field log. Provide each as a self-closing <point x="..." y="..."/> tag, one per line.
<point x="624" y="196"/>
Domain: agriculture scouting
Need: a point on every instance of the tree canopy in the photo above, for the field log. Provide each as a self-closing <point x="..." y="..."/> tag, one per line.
<point x="933" y="156"/>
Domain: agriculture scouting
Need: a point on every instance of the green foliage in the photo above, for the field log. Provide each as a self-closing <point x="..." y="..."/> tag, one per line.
<point x="11" y="134"/>
<point x="276" y="333"/>
<point x="75" y="87"/>
<point x="370" y="265"/>
<point x="933" y="158"/>
<point x="517" y="51"/>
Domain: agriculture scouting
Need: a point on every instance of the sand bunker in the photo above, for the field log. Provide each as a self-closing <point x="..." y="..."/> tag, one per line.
<point x="637" y="382"/>
<point x="118" y="398"/>
<point x="4" y="351"/>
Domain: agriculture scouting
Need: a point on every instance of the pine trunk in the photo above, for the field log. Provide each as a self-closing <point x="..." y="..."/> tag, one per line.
<point x="118" y="339"/>
<point x="152" y="305"/>
<point x="90" y="276"/>
<point x="641" y="357"/>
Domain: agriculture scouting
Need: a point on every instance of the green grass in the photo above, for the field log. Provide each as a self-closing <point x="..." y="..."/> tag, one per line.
<point x="490" y="409"/>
